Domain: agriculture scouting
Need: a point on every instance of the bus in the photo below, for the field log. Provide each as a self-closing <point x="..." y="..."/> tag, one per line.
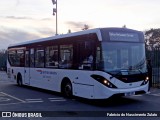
<point x="94" y="64"/>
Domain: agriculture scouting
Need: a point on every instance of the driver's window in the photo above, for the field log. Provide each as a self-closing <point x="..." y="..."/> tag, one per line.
<point x="110" y="58"/>
<point x="124" y="59"/>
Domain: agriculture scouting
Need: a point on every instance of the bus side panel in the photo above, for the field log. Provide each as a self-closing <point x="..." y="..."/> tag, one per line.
<point x="81" y="82"/>
<point x="85" y="91"/>
<point x="26" y="76"/>
<point x="14" y="73"/>
<point x="35" y="78"/>
<point x="44" y="78"/>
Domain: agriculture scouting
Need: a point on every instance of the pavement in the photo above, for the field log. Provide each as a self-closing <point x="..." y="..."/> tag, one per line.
<point x="3" y="76"/>
<point x="154" y="90"/>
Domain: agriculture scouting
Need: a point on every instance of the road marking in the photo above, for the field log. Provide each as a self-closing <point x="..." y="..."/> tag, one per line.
<point x="137" y="95"/>
<point x="11" y="103"/>
<point x="1" y="94"/>
<point x="56" y="99"/>
<point x="12" y="96"/>
<point x="34" y="100"/>
<point x="6" y="99"/>
<point x="157" y="94"/>
<point x="3" y="99"/>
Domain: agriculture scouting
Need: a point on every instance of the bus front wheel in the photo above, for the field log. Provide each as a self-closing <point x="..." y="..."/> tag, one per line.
<point x="67" y="89"/>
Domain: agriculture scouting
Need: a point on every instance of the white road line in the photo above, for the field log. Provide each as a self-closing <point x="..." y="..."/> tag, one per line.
<point x="137" y="95"/>
<point x="12" y="97"/>
<point x="3" y="99"/>
<point x="158" y="94"/>
<point x="55" y="98"/>
<point x="34" y="100"/>
<point x="11" y="103"/>
<point x="58" y="100"/>
<point x="1" y="95"/>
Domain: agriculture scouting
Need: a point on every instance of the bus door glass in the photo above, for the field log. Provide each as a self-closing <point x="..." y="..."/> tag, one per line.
<point x="26" y="69"/>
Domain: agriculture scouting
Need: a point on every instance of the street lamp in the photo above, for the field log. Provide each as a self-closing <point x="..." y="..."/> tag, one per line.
<point x="55" y="13"/>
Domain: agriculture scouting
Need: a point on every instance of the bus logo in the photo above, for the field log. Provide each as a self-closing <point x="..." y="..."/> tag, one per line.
<point x="47" y="72"/>
<point x="40" y="71"/>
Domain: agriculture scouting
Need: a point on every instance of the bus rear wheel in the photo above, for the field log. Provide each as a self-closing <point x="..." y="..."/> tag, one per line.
<point x="67" y="89"/>
<point x="19" y="80"/>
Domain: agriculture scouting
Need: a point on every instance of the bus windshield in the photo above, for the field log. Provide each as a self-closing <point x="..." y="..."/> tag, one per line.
<point x="119" y="57"/>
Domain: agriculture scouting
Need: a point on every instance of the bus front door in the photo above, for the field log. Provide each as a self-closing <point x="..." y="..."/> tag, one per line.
<point x="27" y="69"/>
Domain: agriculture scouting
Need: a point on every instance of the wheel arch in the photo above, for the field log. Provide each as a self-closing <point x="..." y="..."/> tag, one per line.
<point x="19" y="77"/>
<point x="64" y="81"/>
<point x="67" y="88"/>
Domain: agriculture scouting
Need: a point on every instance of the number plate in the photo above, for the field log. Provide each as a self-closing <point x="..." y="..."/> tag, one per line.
<point x="129" y="93"/>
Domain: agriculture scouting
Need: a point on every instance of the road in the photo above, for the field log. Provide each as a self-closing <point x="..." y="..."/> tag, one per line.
<point x="24" y="100"/>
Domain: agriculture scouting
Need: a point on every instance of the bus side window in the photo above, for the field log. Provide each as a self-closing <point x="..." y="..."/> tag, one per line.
<point x="99" y="62"/>
<point x="66" y="56"/>
<point x="86" y="55"/>
<point x="11" y="57"/>
<point x="26" y="58"/>
<point x="20" y="56"/>
<point x="32" y="57"/>
<point x="52" y="56"/>
<point x="16" y="58"/>
<point x="39" y="57"/>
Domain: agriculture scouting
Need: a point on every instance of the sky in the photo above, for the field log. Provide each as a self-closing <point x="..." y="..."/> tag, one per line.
<point x="23" y="20"/>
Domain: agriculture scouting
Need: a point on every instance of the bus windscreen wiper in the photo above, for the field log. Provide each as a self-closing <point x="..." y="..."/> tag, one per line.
<point x="114" y="75"/>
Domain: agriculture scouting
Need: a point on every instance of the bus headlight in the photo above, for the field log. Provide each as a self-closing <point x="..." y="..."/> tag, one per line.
<point x="147" y="78"/>
<point x="103" y="80"/>
<point x="145" y="81"/>
<point x="108" y="84"/>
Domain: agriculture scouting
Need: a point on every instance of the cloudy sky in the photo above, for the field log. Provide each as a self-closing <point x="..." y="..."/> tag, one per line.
<point x="22" y="20"/>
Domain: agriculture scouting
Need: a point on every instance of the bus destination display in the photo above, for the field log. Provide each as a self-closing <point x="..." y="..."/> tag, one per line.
<point x="121" y="36"/>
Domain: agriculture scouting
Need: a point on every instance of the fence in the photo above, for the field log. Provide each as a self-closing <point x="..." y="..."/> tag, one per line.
<point x="154" y="56"/>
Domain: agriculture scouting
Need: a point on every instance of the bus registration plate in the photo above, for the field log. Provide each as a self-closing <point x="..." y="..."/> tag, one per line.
<point x="129" y="93"/>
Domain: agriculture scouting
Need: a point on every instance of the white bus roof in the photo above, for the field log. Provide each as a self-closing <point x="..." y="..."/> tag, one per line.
<point x="96" y="30"/>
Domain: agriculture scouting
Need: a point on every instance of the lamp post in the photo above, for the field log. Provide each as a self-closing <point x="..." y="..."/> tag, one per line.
<point x="55" y="13"/>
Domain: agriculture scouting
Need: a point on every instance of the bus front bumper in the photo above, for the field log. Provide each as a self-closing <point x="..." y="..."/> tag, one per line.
<point x="112" y="92"/>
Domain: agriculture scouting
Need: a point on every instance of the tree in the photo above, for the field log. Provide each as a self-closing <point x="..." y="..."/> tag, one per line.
<point x="86" y="27"/>
<point x="69" y="30"/>
<point x="152" y="38"/>
<point x="3" y="59"/>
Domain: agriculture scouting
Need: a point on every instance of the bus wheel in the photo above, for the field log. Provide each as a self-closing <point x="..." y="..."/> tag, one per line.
<point x="67" y="89"/>
<point x="19" y="80"/>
